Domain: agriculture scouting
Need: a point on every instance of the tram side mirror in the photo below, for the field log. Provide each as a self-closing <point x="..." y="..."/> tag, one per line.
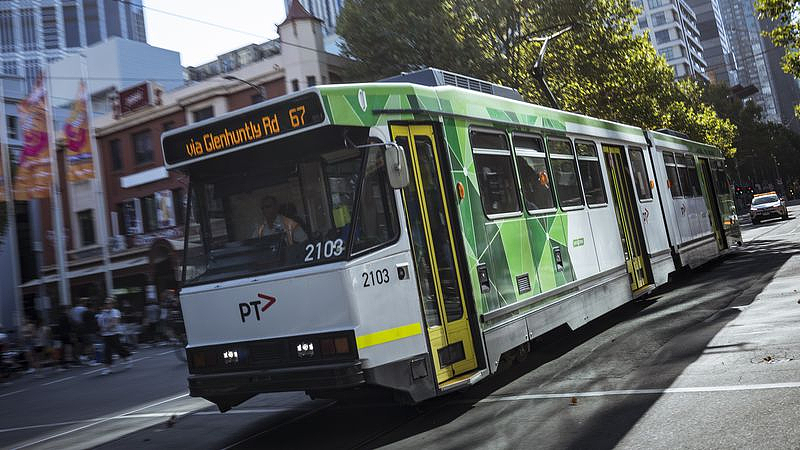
<point x="396" y="167"/>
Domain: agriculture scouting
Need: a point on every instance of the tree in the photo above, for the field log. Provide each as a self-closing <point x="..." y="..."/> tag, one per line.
<point x="787" y="32"/>
<point x="599" y="68"/>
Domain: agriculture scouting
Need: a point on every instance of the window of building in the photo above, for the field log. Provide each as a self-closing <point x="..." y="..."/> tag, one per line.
<point x="534" y="175"/>
<point x="72" y="35"/>
<point x="591" y="174"/>
<point x="495" y="172"/>
<point x="28" y="22"/>
<point x="6" y="31"/>
<point x="311" y="80"/>
<point x="668" y="53"/>
<point x="640" y="178"/>
<point x="565" y="173"/>
<point x="91" y="19"/>
<point x="179" y="203"/>
<point x="136" y="25"/>
<point x="86" y="224"/>
<point x="662" y="36"/>
<point x="32" y="70"/>
<point x="11" y="127"/>
<point x="10" y="67"/>
<point x="131" y="212"/>
<point x="111" y="10"/>
<point x="659" y="18"/>
<point x="643" y="22"/>
<point x="50" y="27"/>
<point x="142" y="147"/>
<point x="115" y="147"/>
<point x="657" y="3"/>
<point x="203" y="113"/>
<point x="672" y="175"/>
<point x="149" y="214"/>
<point x="295" y="85"/>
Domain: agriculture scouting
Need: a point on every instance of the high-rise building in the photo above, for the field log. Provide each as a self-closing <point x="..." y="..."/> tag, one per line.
<point x="327" y="11"/>
<point x="787" y="87"/>
<point x="714" y="39"/>
<point x="674" y="34"/>
<point x="38" y="32"/>
<point x="750" y="48"/>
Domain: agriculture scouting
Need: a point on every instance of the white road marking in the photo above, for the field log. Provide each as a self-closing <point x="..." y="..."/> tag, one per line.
<point x="44" y="425"/>
<point x="58" y="381"/>
<point x="684" y="390"/>
<point x="250" y="411"/>
<point x="12" y="393"/>
<point x="294" y="419"/>
<point x="164" y="353"/>
<point x="102" y="420"/>
<point x="120" y="363"/>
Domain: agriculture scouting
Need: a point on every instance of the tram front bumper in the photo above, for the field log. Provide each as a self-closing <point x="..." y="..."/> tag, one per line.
<point x="316" y="377"/>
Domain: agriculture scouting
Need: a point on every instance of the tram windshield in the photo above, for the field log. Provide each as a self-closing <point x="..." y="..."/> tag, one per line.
<point x="295" y="208"/>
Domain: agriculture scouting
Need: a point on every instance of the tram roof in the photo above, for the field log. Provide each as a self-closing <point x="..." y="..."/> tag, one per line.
<point x="371" y="104"/>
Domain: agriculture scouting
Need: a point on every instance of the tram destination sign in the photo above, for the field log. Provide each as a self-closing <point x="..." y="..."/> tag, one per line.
<point x="243" y="129"/>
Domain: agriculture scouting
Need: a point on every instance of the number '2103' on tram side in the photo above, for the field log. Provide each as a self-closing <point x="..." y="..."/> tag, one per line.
<point x="411" y="236"/>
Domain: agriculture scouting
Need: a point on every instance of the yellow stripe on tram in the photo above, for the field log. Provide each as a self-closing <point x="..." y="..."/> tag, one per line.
<point x="392" y="334"/>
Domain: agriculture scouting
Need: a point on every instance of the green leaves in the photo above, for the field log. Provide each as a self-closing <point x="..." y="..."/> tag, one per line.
<point x="599" y="68"/>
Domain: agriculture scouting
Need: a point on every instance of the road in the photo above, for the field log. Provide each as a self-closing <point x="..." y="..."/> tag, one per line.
<point x="711" y="360"/>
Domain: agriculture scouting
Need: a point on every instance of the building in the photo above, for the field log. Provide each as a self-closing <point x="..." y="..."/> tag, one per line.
<point x="746" y="42"/>
<point x="714" y="39"/>
<point x="328" y="11"/>
<point x="146" y="203"/>
<point x="673" y="32"/>
<point x="38" y="32"/>
<point x="787" y="87"/>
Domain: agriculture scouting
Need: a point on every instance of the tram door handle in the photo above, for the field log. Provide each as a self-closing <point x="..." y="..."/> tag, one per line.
<point x="483" y="278"/>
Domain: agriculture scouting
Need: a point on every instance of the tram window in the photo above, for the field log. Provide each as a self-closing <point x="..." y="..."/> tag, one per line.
<point x="683" y="175"/>
<point x="672" y="175"/>
<point x="591" y="174"/>
<point x="640" y="178"/>
<point x="495" y="172"/>
<point x="694" y="179"/>
<point x="565" y="173"/>
<point x="377" y="221"/>
<point x="533" y="173"/>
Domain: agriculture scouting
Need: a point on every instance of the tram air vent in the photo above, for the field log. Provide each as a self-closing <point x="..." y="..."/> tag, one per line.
<point x="438" y="77"/>
<point x="523" y="283"/>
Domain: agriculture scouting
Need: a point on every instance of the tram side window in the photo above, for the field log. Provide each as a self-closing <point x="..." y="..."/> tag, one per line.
<point x="640" y="173"/>
<point x="683" y="175"/>
<point x="565" y="173"/>
<point x="694" y="179"/>
<point x="533" y="173"/>
<point x="591" y="175"/>
<point x="377" y="221"/>
<point x="722" y="179"/>
<point x="672" y="175"/>
<point x="495" y="172"/>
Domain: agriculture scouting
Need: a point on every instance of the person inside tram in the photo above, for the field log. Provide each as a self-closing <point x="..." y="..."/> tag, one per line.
<point x="274" y="222"/>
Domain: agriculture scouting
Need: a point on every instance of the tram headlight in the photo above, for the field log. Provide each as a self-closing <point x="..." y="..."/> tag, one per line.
<point x="305" y="349"/>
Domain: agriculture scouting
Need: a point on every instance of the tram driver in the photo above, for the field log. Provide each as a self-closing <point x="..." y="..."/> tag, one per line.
<point x="274" y="222"/>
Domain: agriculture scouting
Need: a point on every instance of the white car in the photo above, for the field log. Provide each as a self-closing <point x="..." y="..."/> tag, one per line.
<point x="767" y="206"/>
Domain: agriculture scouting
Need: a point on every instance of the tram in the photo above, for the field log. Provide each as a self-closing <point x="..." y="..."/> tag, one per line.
<point x="409" y="235"/>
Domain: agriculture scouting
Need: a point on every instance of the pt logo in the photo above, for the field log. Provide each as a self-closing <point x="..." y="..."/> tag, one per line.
<point x="646" y="215"/>
<point x="247" y="308"/>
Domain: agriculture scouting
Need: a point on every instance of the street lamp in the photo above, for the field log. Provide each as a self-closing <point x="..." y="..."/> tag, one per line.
<point x="261" y="91"/>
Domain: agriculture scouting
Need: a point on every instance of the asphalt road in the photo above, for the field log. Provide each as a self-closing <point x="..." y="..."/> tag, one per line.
<point x="710" y="361"/>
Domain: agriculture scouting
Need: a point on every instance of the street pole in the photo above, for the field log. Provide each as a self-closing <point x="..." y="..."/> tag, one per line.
<point x="260" y="89"/>
<point x="97" y="183"/>
<point x="11" y="237"/>
<point x="58" y="220"/>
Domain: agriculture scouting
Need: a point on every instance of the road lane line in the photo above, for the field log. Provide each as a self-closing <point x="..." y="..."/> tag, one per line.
<point x="270" y="429"/>
<point x="684" y="390"/>
<point x="119" y="363"/>
<point x="164" y="353"/>
<point x="58" y="381"/>
<point x="44" y="425"/>
<point x="251" y="411"/>
<point x="101" y="420"/>
<point x="12" y="393"/>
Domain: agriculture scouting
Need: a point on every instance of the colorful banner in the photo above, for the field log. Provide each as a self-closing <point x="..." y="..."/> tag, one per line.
<point x="33" y="178"/>
<point x="79" y="149"/>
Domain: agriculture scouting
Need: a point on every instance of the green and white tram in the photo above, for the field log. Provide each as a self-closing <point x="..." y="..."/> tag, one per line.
<point x="408" y="235"/>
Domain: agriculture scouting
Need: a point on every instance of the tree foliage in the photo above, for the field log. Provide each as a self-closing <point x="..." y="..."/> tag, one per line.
<point x="599" y="68"/>
<point x="786" y="34"/>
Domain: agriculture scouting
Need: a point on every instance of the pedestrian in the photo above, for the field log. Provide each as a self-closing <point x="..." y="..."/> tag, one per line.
<point x="152" y="317"/>
<point x="64" y="333"/>
<point x="41" y="343"/>
<point x="109" y="322"/>
<point x="81" y="340"/>
<point x="28" y="334"/>
<point x="90" y="332"/>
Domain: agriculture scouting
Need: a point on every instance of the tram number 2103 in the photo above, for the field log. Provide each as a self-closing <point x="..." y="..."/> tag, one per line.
<point x="375" y="277"/>
<point x="321" y="250"/>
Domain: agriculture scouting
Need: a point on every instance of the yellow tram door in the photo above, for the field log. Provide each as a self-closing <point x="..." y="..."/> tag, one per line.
<point x="714" y="210"/>
<point x="430" y="223"/>
<point x="630" y="230"/>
